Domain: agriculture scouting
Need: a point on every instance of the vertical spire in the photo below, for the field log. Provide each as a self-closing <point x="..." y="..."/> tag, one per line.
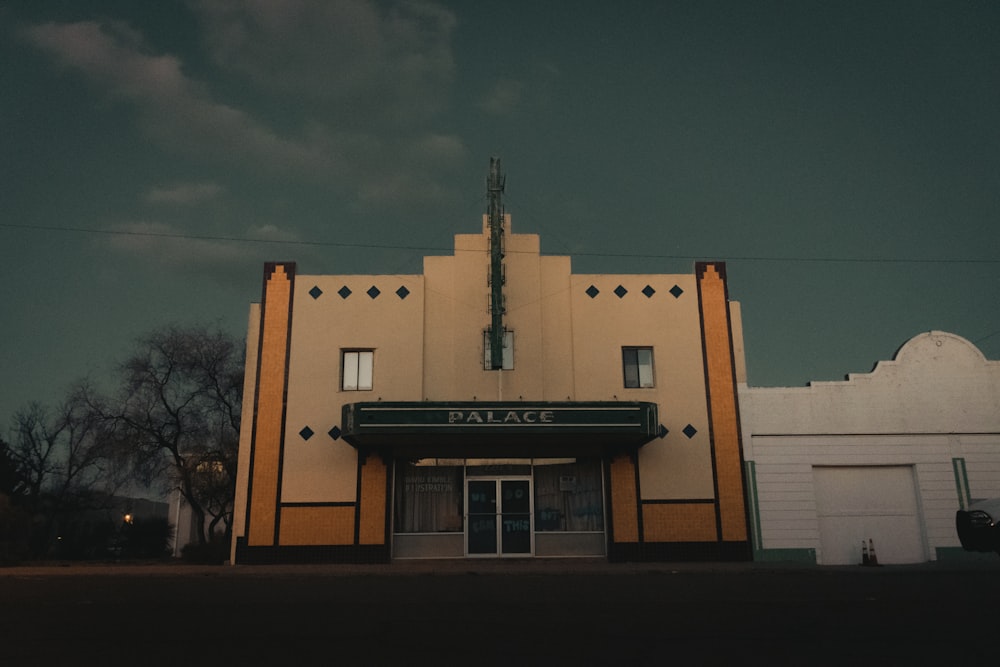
<point x="494" y="188"/>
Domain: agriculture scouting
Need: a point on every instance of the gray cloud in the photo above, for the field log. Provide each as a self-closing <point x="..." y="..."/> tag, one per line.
<point x="165" y="245"/>
<point x="531" y="90"/>
<point x="183" y="193"/>
<point x="363" y="81"/>
<point x="174" y="110"/>
<point x="503" y="98"/>
<point x="392" y="63"/>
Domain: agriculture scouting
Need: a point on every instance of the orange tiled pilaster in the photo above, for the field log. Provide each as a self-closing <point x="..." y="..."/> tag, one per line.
<point x="680" y="522"/>
<point x="371" y="511"/>
<point x="310" y="526"/>
<point x="269" y="411"/>
<point x="624" y="500"/>
<point x="721" y="380"/>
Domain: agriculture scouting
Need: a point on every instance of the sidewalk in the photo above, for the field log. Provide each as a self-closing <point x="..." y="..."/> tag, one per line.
<point x="469" y="566"/>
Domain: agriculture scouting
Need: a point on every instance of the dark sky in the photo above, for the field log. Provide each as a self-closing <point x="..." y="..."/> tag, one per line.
<point x="842" y="157"/>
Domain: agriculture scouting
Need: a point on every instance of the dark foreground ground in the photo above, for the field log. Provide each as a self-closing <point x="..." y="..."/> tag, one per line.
<point x="487" y="613"/>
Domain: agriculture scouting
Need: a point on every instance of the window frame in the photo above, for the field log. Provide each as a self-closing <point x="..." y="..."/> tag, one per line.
<point x="637" y="352"/>
<point x="508" y="350"/>
<point x="346" y="372"/>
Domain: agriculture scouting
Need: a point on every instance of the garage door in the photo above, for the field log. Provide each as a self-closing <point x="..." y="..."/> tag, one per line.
<point x="855" y="503"/>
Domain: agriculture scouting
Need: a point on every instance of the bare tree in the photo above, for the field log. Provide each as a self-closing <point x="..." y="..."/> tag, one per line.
<point x="14" y="521"/>
<point x="61" y="458"/>
<point x="36" y="441"/>
<point x="12" y="481"/>
<point x="177" y="418"/>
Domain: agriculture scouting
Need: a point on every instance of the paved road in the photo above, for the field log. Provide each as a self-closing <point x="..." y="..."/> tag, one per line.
<point x="537" y="613"/>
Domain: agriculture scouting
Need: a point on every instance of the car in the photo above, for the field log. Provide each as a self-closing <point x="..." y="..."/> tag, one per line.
<point x="979" y="526"/>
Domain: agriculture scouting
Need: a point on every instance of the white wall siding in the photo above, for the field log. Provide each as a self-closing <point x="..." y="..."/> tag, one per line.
<point x="938" y="400"/>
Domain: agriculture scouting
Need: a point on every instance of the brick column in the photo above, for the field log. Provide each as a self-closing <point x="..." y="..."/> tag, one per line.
<point x="720" y="379"/>
<point x="269" y="410"/>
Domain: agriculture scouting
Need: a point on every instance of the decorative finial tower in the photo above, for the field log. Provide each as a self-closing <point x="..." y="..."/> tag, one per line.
<point x="494" y="188"/>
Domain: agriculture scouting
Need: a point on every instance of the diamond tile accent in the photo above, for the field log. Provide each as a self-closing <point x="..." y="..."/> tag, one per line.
<point x="334" y="433"/>
<point x="662" y="431"/>
<point x="689" y="431"/>
<point x="306" y="433"/>
<point x="373" y="291"/>
<point x="402" y="292"/>
<point x="648" y="291"/>
<point x="676" y="291"/>
<point x="621" y="291"/>
<point x="344" y="292"/>
<point x="592" y="291"/>
<point x="315" y="292"/>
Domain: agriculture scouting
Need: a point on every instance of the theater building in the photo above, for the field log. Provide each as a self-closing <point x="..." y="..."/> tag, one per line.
<point x="496" y="405"/>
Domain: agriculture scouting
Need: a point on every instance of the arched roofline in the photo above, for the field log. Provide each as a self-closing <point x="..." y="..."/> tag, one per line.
<point x="913" y="342"/>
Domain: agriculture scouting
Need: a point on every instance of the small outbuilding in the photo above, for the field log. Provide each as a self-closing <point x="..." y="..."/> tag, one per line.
<point x="881" y="460"/>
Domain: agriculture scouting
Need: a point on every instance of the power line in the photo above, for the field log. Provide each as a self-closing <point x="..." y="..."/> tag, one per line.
<point x="989" y="335"/>
<point x="233" y="239"/>
<point x="764" y="258"/>
<point x="385" y="246"/>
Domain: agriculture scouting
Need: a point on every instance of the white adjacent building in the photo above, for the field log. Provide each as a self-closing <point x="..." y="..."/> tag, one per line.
<point x="886" y="456"/>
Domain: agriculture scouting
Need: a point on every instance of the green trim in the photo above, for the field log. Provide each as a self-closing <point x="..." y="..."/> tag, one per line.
<point x="755" y="530"/>
<point x="757" y="537"/>
<point x="961" y="482"/>
<point x="953" y="554"/>
<point x="785" y="555"/>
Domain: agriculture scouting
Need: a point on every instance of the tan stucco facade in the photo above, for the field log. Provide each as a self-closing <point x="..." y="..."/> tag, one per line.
<point x="306" y="493"/>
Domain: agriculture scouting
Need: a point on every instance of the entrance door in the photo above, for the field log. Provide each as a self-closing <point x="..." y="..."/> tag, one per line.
<point x="499" y="517"/>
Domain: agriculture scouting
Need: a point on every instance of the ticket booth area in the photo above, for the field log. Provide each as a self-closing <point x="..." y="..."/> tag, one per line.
<point x="498" y="480"/>
<point x="498" y="508"/>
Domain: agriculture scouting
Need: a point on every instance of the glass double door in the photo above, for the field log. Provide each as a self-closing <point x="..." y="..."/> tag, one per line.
<point x="498" y="513"/>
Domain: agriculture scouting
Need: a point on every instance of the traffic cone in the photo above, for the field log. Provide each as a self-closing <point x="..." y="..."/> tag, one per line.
<point x="864" y="553"/>
<point x="872" y="558"/>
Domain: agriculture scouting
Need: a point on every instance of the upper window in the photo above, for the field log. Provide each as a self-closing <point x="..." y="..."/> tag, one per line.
<point x="357" y="370"/>
<point x="637" y="364"/>
<point x="508" y="350"/>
